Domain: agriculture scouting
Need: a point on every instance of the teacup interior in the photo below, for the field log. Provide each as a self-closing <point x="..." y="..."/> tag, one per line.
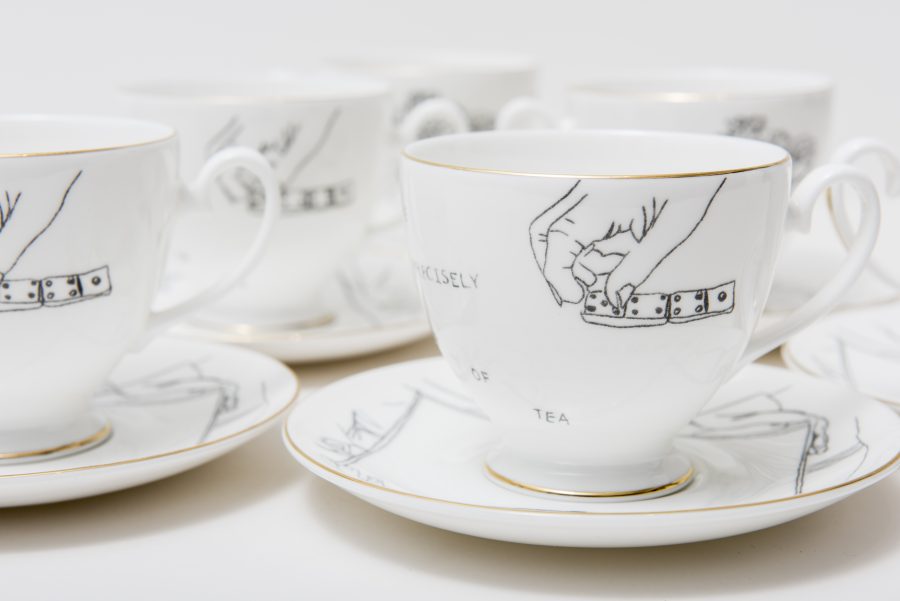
<point x="724" y="82"/>
<point x="595" y="153"/>
<point x="46" y="134"/>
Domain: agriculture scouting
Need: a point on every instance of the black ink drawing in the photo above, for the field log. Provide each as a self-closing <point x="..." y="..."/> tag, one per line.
<point x="289" y="157"/>
<point x="877" y="342"/>
<point x="181" y="383"/>
<point x="363" y="435"/>
<point x="478" y="121"/>
<point x="801" y="147"/>
<point x="765" y="415"/>
<point x="590" y="252"/>
<point x="790" y="443"/>
<point x="22" y="223"/>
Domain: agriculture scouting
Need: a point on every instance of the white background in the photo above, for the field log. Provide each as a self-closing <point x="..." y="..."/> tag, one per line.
<point x="66" y="56"/>
<point x="253" y="525"/>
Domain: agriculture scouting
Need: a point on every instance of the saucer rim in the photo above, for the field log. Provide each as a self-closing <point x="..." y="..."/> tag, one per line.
<point x="797" y="365"/>
<point x="294" y="335"/>
<point x="295" y="450"/>
<point x="316" y="466"/>
<point x="298" y="387"/>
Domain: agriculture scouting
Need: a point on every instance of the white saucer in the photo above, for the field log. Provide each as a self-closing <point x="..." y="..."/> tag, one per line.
<point x="372" y="299"/>
<point x="859" y="347"/>
<point x="172" y="407"/>
<point x="772" y="446"/>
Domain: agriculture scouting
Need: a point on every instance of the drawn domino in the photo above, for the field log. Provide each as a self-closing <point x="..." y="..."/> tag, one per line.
<point x="18" y="295"/>
<point x="95" y="283"/>
<point x="647" y="309"/>
<point x="598" y="310"/>
<point x="60" y="290"/>
<point x="720" y="299"/>
<point x="688" y="305"/>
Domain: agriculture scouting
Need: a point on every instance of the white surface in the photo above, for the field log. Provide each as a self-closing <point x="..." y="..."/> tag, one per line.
<point x="254" y="524"/>
<point x="771" y="446"/>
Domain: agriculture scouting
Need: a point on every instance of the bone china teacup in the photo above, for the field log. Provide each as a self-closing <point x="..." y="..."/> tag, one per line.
<point x="595" y="288"/>
<point x="85" y="207"/>
<point x="323" y="134"/>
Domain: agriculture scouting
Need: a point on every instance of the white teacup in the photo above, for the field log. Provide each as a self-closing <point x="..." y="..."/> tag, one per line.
<point x="478" y="85"/>
<point x="439" y="93"/>
<point x="324" y="135"/>
<point x="85" y="208"/>
<point x="595" y="288"/>
<point x="787" y="108"/>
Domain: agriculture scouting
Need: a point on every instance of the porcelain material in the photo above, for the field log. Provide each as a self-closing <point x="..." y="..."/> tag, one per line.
<point x="373" y="300"/>
<point x="173" y="406"/>
<point x="439" y="93"/>
<point x="875" y="154"/>
<point x="860" y="347"/>
<point x="789" y="109"/>
<point x="324" y="135"/>
<point x="770" y="447"/>
<point x="581" y="282"/>
<point x="86" y="208"/>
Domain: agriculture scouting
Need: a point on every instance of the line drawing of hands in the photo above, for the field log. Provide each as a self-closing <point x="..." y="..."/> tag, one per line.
<point x="584" y="241"/>
<point x="23" y="221"/>
<point x="283" y="149"/>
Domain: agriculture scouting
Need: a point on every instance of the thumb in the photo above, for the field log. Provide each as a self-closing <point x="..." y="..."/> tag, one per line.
<point x="562" y="251"/>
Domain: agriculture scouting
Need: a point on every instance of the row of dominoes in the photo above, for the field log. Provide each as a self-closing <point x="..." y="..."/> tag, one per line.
<point x="658" y="308"/>
<point x="25" y="294"/>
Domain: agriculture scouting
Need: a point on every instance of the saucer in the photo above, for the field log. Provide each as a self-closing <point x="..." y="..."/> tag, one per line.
<point x="373" y="303"/>
<point x="860" y="348"/>
<point x="171" y="407"/>
<point x="772" y="446"/>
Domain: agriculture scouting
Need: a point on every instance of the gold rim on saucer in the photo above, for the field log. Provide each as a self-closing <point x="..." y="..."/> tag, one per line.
<point x="208" y="443"/>
<point x="290" y="441"/>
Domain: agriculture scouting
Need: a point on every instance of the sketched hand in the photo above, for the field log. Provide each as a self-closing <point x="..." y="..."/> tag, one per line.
<point x="585" y="241"/>
<point x="24" y="220"/>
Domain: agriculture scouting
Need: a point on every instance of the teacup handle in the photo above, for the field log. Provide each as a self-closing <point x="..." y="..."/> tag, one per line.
<point x="848" y="153"/>
<point x="527" y="112"/>
<point x="199" y="191"/>
<point x="433" y="109"/>
<point x="799" y="218"/>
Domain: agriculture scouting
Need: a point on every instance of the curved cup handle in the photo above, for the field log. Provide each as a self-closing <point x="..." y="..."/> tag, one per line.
<point x="440" y="110"/>
<point x="799" y="218"/>
<point x="849" y="153"/>
<point x="199" y="191"/>
<point x="527" y="112"/>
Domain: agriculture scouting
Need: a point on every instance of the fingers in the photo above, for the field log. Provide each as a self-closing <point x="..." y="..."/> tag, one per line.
<point x="28" y="219"/>
<point x="562" y="251"/>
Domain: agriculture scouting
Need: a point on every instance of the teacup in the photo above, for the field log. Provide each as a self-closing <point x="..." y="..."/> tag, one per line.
<point x="324" y="134"/>
<point x="787" y="108"/>
<point x="439" y="93"/>
<point x="86" y="206"/>
<point x="595" y="288"/>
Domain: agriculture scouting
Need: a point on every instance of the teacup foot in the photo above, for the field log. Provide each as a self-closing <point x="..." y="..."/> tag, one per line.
<point x="662" y="478"/>
<point x="39" y="445"/>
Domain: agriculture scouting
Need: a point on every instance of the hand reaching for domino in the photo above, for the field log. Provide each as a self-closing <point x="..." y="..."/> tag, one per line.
<point x="24" y="218"/>
<point x="584" y="238"/>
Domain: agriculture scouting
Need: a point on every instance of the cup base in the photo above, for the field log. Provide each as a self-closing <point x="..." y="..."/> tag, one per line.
<point x="597" y="484"/>
<point x="28" y="446"/>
